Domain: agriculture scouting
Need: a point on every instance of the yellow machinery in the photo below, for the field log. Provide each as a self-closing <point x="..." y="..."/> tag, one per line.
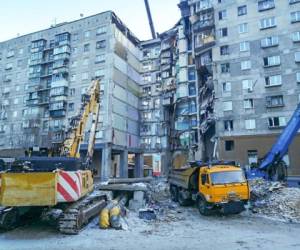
<point x="63" y="182"/>
<point x="220" y="186"/>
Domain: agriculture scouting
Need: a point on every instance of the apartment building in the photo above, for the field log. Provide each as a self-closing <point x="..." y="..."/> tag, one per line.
<point x="247" y="61"/>
<point x="44" y="74"/>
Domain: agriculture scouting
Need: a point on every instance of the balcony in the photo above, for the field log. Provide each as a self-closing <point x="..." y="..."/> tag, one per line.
<point x="60" y="83"/>
<point x="202" y="25"/>
<point x="57" y="113"/>
<point x="204" y="43"/>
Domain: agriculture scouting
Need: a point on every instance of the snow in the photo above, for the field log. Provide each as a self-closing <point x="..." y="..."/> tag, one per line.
<point x="182" y="228"/>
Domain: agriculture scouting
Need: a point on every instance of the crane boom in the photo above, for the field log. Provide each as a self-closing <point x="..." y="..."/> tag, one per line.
<point x="272" y="166"/>
<point x="280" y="148"/>
<point x="90" y="103"/>
<point x="150" y="19"/>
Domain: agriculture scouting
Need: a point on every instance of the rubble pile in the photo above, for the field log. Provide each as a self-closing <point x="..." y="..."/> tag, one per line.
<point x="158" y="190"/>
<point x="275" y="200"/>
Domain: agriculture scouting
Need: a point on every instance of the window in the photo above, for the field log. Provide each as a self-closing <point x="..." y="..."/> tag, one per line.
<point x="296" y="36"/>
<point x="224" y="50"/>
<point x="244" y="46"/>
<point x="229" y="145"/>
<point x="87" y="34"/>
<point x="100" y="73"/>
<point x="100" y="58"/>
<point x="250" y="124"/>
<point x="295" y="17"/>
<point x="274" y="101"/>
<point x="248" y="104"/>
<point x="269" y="41"/>
<point x="265" y="5"/>
<point x="245" y="65"/>
<point x="298" y="77"/>
<point x="101" y="44"/>
<point x="73" y="78"/>
<point x="267" y="23"/>
<point x="294" y="1"/>
<point x="10" y="53"/>
<point x="247" y="84"/>
<point x="75" y="37"/>
<point x="86" y="47"/>
<point x="8" y="66"/>
<point x="74" y="50"/>
<point x="72" y="91"/>
<point x="71" y="106"/>
<point x="147" y="78"/>
<point x="242" y="10"/>
<point x="243" y="28"/>
<point x="227" y="106"/>
<point x="252" y="156"/>
<point x="85" y="76"/>
<point x="223" y="32"/>
<point x="21" y="51"/>
<point x="191" y="74"/>
<point x="274" y="80"/>
<point x="228" y="125"/>
<point x="101" y="30"/>
<point x="74" y="63"/>
<point x="226" y="87"/>
<point x="222" y="14"/>
<point x="204" y="179"/>
<point x="225" y="67"/>
<point x="85" y="61"/>
<point x="147" y="90"/>
<point x="277" y="122"/>
<point x="297" y="56"/>
<point x="271" y="61"/>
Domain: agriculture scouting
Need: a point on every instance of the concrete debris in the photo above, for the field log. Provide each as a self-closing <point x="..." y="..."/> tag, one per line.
<point x="274" y="200"/>
<point x="147" y="214"/>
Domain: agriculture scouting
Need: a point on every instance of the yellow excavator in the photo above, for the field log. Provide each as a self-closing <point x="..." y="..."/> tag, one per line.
<point x="60" y="184"/>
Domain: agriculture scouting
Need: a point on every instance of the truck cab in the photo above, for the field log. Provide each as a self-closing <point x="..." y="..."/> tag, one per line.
<point x="219" y="187"/>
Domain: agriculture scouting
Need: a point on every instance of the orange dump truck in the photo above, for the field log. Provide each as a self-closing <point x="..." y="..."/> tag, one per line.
<point x="216" y="187"/>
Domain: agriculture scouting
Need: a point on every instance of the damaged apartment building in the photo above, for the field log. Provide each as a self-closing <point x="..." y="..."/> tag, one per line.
<point x="247" y="58"/>
<point x="220" y="84"/>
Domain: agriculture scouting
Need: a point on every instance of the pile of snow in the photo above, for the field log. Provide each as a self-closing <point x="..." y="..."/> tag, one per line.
<point x="274" y="200"/>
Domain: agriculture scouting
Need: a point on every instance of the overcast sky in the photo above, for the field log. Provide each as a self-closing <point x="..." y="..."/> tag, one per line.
<point x="25" y="16"/>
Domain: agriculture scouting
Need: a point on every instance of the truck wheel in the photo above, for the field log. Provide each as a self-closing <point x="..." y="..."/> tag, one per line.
<point x="202" y="207"/>
<point x="174" y="193"/>
<point x="182" y="201"/>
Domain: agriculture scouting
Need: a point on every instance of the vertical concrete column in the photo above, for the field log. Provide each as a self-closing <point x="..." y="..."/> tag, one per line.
<point x="106" y="163"/>
<point x="124" y="164"/>
<point x="139" y="165"/>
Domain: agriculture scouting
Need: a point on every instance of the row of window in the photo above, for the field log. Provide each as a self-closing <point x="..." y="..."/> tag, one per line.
<point x="269" y="61"/>
<point x="273" y="122"/>
<point x="247" y="84"/>
<point x="266" y="42"/>
<point x="264" y="23"/>
<point x="262" y="5"/>
<point x="271" y="102"/>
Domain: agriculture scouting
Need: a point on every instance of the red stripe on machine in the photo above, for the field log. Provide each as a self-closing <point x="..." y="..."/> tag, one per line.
<point x="70" y="181"/>
<point x="79" y="178"/>
<point x="64" y="193"/>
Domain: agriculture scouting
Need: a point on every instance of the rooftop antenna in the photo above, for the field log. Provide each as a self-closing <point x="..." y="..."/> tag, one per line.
<point x="150" y="19"/>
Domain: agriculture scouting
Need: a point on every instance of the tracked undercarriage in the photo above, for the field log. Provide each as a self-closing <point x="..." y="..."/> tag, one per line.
<point x="69" y="220"/>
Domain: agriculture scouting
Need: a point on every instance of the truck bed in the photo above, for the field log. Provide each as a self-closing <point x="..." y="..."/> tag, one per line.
<point x="181" y="177"/>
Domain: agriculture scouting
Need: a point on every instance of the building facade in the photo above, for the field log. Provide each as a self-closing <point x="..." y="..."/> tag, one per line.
<point x="44" y="74"/>
<point x="247" y="61"/>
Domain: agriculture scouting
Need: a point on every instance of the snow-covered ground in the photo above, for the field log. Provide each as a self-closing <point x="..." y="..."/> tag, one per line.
<point x="181" y="228"/>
